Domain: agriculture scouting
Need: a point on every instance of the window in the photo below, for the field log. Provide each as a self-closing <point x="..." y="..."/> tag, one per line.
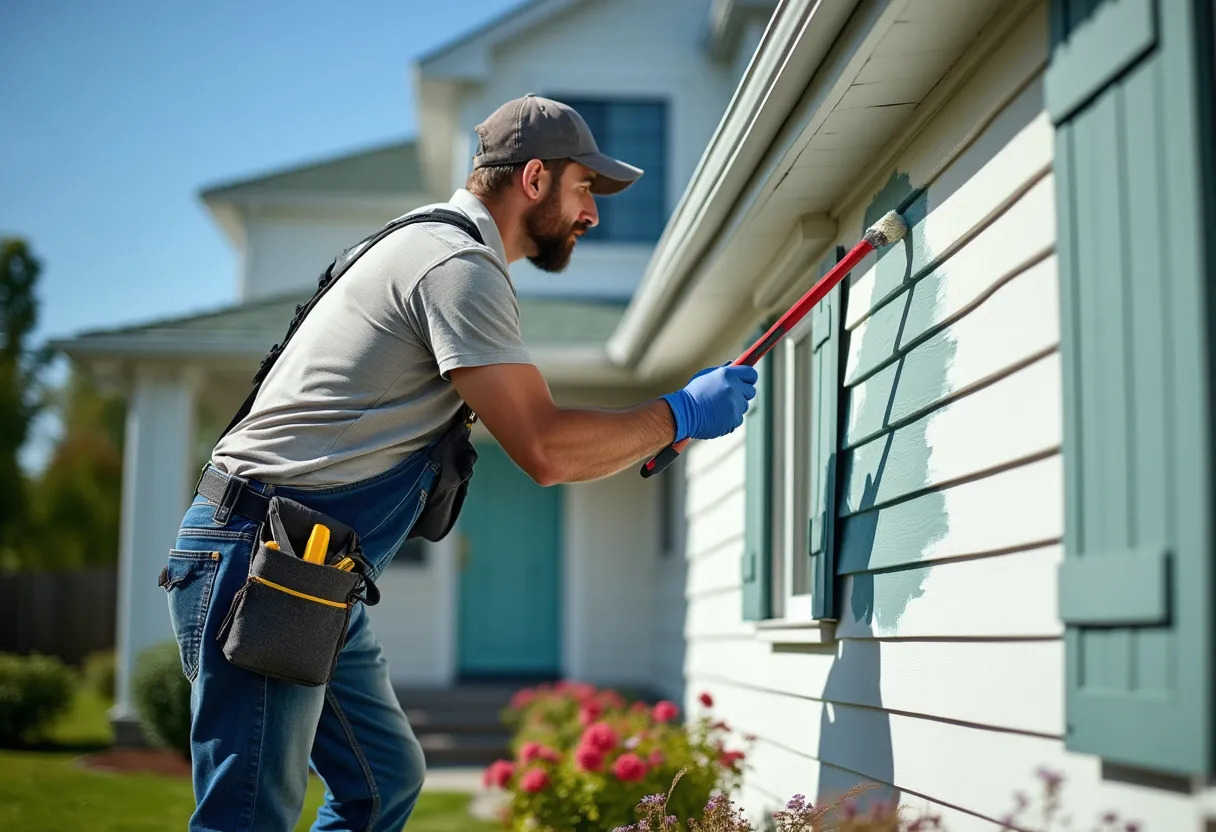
<point x="634" y="131"/>
<point x="791" y="439"/>
<point x="671" y="510"/>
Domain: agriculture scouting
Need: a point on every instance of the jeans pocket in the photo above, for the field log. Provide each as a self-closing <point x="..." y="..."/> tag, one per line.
<point x="188" y="578"/>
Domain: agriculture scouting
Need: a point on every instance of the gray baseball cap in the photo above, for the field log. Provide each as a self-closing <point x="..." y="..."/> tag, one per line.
<point x="541" y="128"/>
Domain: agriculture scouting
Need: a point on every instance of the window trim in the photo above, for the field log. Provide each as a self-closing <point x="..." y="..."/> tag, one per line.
<point x="792" y="620"/>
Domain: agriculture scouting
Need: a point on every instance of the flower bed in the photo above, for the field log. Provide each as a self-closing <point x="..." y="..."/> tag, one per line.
<point x="585" y="757"/>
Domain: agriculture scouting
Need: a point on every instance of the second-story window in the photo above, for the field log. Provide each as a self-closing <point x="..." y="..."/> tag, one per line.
<point x="634" y="131"/>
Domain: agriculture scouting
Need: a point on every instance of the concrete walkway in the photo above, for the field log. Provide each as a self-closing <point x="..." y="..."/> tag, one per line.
<point x="466" y="779"/>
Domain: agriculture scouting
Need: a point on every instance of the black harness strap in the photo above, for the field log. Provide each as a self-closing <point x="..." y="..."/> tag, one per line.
<point x="335" y="270"/>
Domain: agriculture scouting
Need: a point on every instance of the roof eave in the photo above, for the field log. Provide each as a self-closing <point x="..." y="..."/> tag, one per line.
<point x="798" y="37"/>
<point x="758" y="211"/>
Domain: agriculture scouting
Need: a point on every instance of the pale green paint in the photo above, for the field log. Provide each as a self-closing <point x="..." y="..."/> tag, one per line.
<point x="895" y="461"/>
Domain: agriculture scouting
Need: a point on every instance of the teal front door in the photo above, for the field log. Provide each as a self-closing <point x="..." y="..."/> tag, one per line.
<point x="510" y="557"/>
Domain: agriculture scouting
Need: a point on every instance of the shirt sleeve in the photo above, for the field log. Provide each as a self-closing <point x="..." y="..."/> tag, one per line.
<point x="465" y="310"/>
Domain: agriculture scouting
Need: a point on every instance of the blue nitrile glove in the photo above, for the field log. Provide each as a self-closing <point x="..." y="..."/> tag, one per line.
<point x="713" y="402"/>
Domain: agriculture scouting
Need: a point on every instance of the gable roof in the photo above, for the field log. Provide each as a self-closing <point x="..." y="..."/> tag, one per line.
<point x="565" y="335"/>
<point x="387" y="169"/>
<point x="468" y="55"/>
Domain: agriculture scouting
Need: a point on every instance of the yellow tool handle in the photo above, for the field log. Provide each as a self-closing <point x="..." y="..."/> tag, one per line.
<point x="318" y="544"/>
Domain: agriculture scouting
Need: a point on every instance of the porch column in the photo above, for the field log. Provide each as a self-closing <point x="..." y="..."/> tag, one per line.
<point x="157" y="475"/>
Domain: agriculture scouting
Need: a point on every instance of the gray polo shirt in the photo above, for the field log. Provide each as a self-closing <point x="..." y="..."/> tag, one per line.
<point x="363" y="382"/>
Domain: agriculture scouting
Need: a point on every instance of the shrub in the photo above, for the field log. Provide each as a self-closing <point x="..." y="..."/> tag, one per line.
<point x="34" y="691"/>
<point x="584" y="758"/>
<point x="99" y="672"/>
<point x="161" y="693"/>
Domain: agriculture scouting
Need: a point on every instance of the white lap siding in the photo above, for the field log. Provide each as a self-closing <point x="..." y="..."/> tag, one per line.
<point x="944" y="682"/>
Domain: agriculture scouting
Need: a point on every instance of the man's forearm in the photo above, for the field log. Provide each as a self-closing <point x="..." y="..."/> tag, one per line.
<point x="585" y="444"/>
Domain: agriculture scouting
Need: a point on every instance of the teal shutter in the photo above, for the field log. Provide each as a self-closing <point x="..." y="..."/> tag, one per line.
<point x="757" y="551"/>
<point x="1124" y="90"/>
<point x="826" y="326"/>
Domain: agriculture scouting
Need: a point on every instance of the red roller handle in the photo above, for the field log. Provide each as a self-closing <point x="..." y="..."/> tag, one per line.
<point x="769" y="339"/>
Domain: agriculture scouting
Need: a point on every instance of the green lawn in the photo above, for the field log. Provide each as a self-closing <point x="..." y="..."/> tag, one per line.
<point x="48" y="791"/>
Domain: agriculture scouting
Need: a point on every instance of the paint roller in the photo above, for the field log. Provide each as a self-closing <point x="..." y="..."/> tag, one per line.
<point x="891" y="228"/>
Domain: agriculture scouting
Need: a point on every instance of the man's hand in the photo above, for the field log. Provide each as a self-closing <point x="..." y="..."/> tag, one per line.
<point x="554" y="445"/>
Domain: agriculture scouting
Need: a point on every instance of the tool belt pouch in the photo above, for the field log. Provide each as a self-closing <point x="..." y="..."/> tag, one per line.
<point x="454" y="457"/>
<point x="289" y="620"/>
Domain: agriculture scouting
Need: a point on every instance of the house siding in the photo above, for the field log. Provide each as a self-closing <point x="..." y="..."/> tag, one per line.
<point x="944" y="684"/>
<point x="288" y="247"/>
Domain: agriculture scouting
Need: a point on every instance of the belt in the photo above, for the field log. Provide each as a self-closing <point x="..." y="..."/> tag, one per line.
<point x="232" y="495"/>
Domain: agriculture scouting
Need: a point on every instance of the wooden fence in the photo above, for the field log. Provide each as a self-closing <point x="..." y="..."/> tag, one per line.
<point x="66" y="614"/>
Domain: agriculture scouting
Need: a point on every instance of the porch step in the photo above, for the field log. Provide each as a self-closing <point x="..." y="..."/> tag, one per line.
<point x="459" y="725"/>
<point x="463" y="749"/>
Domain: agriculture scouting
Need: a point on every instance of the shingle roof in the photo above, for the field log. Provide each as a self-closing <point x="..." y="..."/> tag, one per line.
<point x="251" y="328"/>
<point x="391" y="169"/>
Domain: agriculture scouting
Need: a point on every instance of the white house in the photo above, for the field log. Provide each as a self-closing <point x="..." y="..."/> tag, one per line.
<point x="966" y="532"/>
<point x="580" y="581"/>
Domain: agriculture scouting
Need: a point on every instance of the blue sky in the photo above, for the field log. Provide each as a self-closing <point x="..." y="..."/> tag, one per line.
<point x="117" y="114"/>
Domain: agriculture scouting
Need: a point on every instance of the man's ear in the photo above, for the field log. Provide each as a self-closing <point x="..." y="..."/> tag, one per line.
<point x="532" y="180"/>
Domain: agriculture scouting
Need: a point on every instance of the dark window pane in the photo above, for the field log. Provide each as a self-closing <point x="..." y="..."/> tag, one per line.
<point x="635" y="132"/>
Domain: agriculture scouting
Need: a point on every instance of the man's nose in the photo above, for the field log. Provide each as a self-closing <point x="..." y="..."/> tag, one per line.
<point x="590" y="214"/>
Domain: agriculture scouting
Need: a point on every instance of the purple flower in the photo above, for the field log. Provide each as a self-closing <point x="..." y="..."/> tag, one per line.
<point x="670" y="822"/>
<point x="651" y="801"/>
<point x="1052" y="779"/>
<point x="797" y="803"/>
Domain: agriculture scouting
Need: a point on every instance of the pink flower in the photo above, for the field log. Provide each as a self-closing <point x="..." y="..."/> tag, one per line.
<point x="657" y="758"/>
<point x="707" y="700"/>
<point x="601" y="737"/>
<point x="629" y="768"/>
<point x="665" y="711"/>
<point x="549" y="755"/>
<point x="534" y="780"/>
<point x="612" y="699"/>
<point x="529" y="752"/>
<point x="523" y="698"/>
<point x="588" y="758"/>
<point x="729" y="758"/>
<point x="589" y="713"/>
<point x="638" y="708"/>
<point x="498" y="774"/>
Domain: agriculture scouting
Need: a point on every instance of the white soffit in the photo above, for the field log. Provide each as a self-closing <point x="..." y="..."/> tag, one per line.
<point x="754" y="218"/>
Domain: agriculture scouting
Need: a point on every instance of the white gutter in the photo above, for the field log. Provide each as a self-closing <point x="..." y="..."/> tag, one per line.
<point x="797" y="39"/>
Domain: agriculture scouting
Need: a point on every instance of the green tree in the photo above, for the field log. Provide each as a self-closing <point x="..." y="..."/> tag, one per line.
<point x="21" y="392"/>
<point x="76" y="503"/>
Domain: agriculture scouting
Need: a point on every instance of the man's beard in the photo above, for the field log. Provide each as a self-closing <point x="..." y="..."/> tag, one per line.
<point x="551" y="234"/>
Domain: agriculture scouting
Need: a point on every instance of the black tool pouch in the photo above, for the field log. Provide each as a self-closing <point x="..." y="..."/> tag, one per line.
<point x="289" y="620"/>
<point x="455" y="456"/>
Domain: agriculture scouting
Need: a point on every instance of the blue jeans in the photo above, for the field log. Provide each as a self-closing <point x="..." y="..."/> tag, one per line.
<point x="253" y="738"/>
